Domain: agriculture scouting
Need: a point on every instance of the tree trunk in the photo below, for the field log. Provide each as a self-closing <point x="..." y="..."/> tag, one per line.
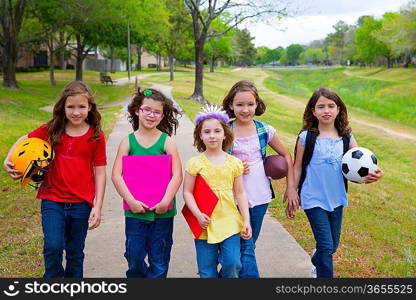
<point x="79" y="58"/>
<point x="9" y="60"/>
<point x="11" y="21"/>
<point x="139" y="58"/>
<point x="198" y="93"/>
<point x="211" y="68"/>
<point x="62" y="48"/>
<point x="158" y="62"/>
<point x="51" y="60"/>
<point x="171" y="70"/>
<point x="112" y="60"/>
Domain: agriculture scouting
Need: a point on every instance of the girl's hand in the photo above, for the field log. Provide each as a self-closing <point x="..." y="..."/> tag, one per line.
<point x="95" y="218"/>
<point x="293" y="198"/>
<point x="246" y="231"/>
<point x="203" y="220"/>
<point x="13" y="173"/>
<point x="373" y="177"/>
<point x="138" y="207"/>
<point x="290" y="212"/>
<point x="246" y="167"/>
<point x="160" y="208"/>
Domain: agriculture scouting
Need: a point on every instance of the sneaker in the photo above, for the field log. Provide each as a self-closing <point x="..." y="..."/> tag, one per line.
<point x="312" y="272"/>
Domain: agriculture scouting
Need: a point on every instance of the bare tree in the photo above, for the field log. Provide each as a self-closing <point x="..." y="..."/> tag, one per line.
<point x="203" y="12"/>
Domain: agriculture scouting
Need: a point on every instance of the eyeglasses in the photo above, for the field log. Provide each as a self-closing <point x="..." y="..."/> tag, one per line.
<point x="147" y="112"/>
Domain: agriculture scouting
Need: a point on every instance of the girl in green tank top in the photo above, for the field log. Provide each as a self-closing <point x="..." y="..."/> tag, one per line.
<point x="149" y="229"/>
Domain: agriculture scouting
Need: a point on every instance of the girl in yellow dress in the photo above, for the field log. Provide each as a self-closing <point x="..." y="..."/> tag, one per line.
<point x="220" y="240"/>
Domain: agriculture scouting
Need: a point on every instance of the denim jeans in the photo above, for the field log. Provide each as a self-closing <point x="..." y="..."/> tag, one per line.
<point x="326" y="228"/>
<point x="227" y="253"/>
<point x="152" y="239"/>
<point x="248" y="257"/>
<point x="65" y="227"/>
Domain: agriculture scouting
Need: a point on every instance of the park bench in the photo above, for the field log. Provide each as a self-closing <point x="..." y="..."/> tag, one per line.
<point x="106" y="79"/>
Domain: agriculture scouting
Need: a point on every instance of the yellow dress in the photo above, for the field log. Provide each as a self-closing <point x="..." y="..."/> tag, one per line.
<point x="225" y="219"/>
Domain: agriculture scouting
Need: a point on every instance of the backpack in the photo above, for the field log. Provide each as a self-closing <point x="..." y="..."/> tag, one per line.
<point x="263" y="134"/>
<point x="308" y="152"/>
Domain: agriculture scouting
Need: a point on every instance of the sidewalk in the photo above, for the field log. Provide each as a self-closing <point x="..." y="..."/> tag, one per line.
<point x="278" y="254"/>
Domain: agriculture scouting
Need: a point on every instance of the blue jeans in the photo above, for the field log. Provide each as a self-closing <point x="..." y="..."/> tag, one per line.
<point x="227" y="253"/>
<point x="152" y="239"/>
<point x="65" y="227"/>
<point x="326" y="227"/>
<point x="248" y="257"/>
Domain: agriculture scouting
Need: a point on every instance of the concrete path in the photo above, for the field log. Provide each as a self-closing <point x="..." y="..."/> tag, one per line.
<point x="278" y="254"/>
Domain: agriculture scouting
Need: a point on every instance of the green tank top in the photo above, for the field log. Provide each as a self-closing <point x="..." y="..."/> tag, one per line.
<point x="156" y="149"/>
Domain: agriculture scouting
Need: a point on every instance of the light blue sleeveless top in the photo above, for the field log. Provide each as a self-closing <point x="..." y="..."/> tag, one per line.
<point x="324" y="184"/>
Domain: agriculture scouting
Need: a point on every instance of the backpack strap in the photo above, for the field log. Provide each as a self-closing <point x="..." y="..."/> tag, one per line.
<point x="263" y="134"/>
<point x="346" y="144"/>
<point x="307" y="155"/>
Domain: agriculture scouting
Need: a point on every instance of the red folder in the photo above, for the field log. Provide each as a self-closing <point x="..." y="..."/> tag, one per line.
<point x="206" y="201"/>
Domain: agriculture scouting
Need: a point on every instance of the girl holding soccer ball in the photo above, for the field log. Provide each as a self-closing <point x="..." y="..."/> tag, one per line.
<point x="324" y="138"/>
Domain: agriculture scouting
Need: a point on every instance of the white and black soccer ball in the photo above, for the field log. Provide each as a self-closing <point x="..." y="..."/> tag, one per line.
<point x="357" y="163"/>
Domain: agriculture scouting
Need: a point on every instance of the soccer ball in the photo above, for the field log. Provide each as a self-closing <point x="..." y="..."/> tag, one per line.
<point x="357" y="163"/>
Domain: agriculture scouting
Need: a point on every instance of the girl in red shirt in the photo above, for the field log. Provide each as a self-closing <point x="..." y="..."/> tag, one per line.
<point x="72" y="192"/>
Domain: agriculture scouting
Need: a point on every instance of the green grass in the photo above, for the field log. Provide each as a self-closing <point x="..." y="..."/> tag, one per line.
<point x="20" y="229"/>
<point x="389" y="94"/>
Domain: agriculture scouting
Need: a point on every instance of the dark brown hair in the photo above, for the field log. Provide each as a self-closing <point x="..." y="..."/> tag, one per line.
<point x="228" y="134"/>
<point x="310" y="122"/>
<point x="56" y="126"/>
<point x="243" y="86"/>
<point x="169" y="122"/>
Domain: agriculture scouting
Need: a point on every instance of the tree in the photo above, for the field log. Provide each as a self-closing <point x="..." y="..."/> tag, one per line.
<point x="273" y="55"/>
<point x="368" y="46"/>
<point x="244" y="52"/>
<point x="179" y="31"/>
<point x="51" y="16"/>
<point x="12" y="14"/>
<point x="312" y="56"/>
<point x="203" y="12"/>
<point x="399" y="32"/>
<point x="293" y="52"/>
<point x="338" y="41"/>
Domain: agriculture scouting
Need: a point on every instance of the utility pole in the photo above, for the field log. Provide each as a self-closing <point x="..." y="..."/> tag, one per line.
<point x="128" y="49"/>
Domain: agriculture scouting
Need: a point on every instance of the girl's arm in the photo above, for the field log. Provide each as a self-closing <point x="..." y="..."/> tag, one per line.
<point x="100" y="180"/>
<point x="175" y="181"/>
<point x="371" y="177"/>
<point x="297" y="170"/>
<point x="8" y="165"/>
<point x="290" y="194"/>
<point x="188" y="196"/>
<point x="240" y="195"/>
<point x="118" y="181"/>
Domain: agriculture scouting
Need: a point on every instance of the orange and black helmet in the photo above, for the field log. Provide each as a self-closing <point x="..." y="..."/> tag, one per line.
<point x="32" y="156"/>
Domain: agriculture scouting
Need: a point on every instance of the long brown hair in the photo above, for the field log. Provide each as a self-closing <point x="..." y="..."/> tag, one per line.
<point x="310" y="122"/>
<point x="243" y="86"/>
<point x="168" y="124"/>
<point x="56" y="126"/>
<point x="228" y="134"/>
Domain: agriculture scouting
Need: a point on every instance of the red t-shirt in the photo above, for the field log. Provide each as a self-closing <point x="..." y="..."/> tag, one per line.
<point x="71" y="175"/>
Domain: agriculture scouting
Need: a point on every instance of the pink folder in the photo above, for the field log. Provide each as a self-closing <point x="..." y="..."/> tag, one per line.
<point x="147" y="177"/>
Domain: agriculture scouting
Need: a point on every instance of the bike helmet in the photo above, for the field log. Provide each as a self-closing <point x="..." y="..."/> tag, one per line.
<point x="32" y="156"/>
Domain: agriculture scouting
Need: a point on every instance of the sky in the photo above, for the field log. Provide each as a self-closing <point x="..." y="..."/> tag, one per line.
<point x="316" y="20"/>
